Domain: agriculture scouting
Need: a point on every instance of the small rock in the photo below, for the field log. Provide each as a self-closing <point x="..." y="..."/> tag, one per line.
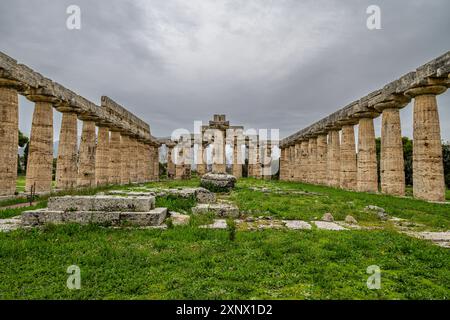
<point x="374" y="208"/>
<point x="179" y="219"/>
<point x="325" y="225"/>
<point x="350" y="220"/>
<point x="297" y="224"/>
<point x="218" y="224"/>
<point x="328" y="217"/>
<point x="249" y="219"/>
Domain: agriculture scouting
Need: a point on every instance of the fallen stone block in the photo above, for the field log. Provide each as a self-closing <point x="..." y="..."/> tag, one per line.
<point x="326" y="225"/>
<point x="219" y="209"/>
<point x="152" y="218"/>
<point x="179" y="219"/>
<point x="297" y="224"/>
<point x="101" y="203"/>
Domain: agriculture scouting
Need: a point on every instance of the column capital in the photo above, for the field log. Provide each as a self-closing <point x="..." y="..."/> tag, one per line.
<point x="426" y="90"/>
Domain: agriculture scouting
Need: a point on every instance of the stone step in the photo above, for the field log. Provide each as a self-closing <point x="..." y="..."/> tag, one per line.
<point x="101" y="203"/>
<point x="44" y="216"/>
<point x="219" y="209"/>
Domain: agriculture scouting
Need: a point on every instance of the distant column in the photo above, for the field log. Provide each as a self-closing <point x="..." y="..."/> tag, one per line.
<point x="86" y="168"/>
<point x="9" y="137"/>
<point x="66" y="165"/>
<point x="283" y="164"/>
<point x="170" y="163"/>
<point x="367" y="177"/>
<point x="115" y="157"/>
<point x="348" y="174"/>
<point x="304" y="161"/>
<point x="237" y="160"/>
<point x="428" y="169"/>
<point x="312" y="158"/>
<point x="156" y="163"/>
<point x="297" y="161"/>
<point x="201" y="161"/>
<point x="125" y="161"/>
<point x="102" y="157"/>
<point x="321" y="163"/>
<point x="179" y="166"/>
<point x="333" y="159"/>
<point x="40" y="154"/>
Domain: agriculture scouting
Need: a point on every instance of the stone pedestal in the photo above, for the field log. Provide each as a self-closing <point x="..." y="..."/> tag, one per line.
<point x="86" y="168"/>
<point x="348" y="173"/>
<point x="312" y="160"/>
<point x="40" y="154"/>
<point x="66" y="166"/>
<point x="392" y="164"/>
<point x="304" y="161"/>
<point x="333" y="159"/>
<point x="125" y="159"/>
<point x="115" y="157"/>
<point x="367" y="177"/>
<point x="428" y="169"/>
<point x="321" y="163"/>
<point x="102" y="157"/>
<point x="9" y="137"/>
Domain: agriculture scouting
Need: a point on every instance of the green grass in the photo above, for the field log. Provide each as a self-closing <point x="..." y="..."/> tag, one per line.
<point x="20" y="185"/>
<point x="336" y="201"/>
<point x="193" y="263"/>
<point x="447" y="195"/>
<point x="177" y="204"/>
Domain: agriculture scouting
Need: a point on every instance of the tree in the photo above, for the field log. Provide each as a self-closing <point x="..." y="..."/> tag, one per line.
<point x="22" y="161"/>
<point x="407" y="158"/>
<point x="446" y="156"/>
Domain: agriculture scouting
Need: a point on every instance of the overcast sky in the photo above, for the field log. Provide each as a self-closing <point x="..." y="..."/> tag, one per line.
<point x="265" y="64"/>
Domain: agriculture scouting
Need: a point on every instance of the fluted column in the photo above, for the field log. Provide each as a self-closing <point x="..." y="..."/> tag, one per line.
<point x="257" y="168"/>
<point x="148" y="162"/>
<point x="125" y="159"/>
<point x="86" y="168"/>
<point x="170" y="163"/>
<point x="155" y="163"/>
<point x="367" y="176"/>
<point x="348" y="173"/>
<point x="219" y="157"/>
<point x="283" y="164"/>
<point x="115" y="157"/>
<point x="391" y="163"/>
<point x="428" y="169"/>
<point x="333" y="159"/>
<point x="134" y="160"/>
<point x="321" y="163"/>
<point x="9" y="136"/>
<point x="267" y="165"/>
<point x="201" y="161"/>
<point x="179" y="166"/>
<point x="40" y="154"/>
<point x="297" y="161"/>
<point x="312" y="159"/>
<point x="141" y="162"/>
<point x="66" y="165"/>
<point x="304" y="161"/>
<point x="102" y="157"/>
<point x="237" y="161"/>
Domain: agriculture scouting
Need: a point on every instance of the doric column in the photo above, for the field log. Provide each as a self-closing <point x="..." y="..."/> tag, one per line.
<point x="290" y="162"/>
<point x="102" y="157"/>
<point x="125" y="147"/>
<point x="282" y="163"/>
<point x="304" y="161"/>
<point x="297" y="161"/>
<point x="267" y="163"/>
<point x="201" y="161"/>
<point x="321" y="163"/>
<point x="312" y="160"/>
<point x="115" y="157"/>
<point x="170" y="163"/>
<point x="391" y="163"/>
<point x="257" y="168"/>
<point x="348" y="173"/>
<point x="367" y="176"/>
<point x="333" y="159"/>
<point x="9" y="135"/>
<point x="86" y="167"/>
<point x="428" y="169"/>
<point x="237" y="160"/>
<point x="134" y="160"/>
<point x="40" y="154"/>
<point x="179" y="166"/>
<point x="148" y="162"/>
<point x="66" y="165"/>
<point x="155" y="163"/>
<point x="219" y="157"/>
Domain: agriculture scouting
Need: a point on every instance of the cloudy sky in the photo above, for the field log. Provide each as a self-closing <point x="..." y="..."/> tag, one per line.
<point x="264" y="63"/>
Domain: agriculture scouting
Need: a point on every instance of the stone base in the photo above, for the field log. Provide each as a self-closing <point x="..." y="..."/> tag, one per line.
<point x="44" y="216"/>
<point x="218" y="182"/>
<point x="101" y="203"/>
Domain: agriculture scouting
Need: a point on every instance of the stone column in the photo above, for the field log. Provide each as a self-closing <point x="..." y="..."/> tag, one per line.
<point x="141" y="161"/>
<point x="201" y="161"/>
<point x="219" y="158"/>
<point x="148" y="162"/>
<point x="312" y="158"/>
<point x="156" y="163"/>
<point x="115" y="157"/>
<point x="257" y="167"/>
<point x="348" y="158"/>
<point x="9" y="136"/>
<point x="304" y="161"/>
<point x="125" y="147"/>
<point x="428" y="169"/>
<point x="86" y="168"/>
<point x="297" y="161"/>
<point x="102" y="157"/>
<point x="66" y="165"/>
<point x="40" y="153"/>
<point x="391" y="164"/>
<point x="321" y="163"/>
<point x="282" y="163"/>
<point x="179" y="166"/>
<point x="367" y="176"/>
<point x="170" y="163"/>
<point x="267" y="165"/>
<point x="237" y="160"/>
<point x="333" y="159"/>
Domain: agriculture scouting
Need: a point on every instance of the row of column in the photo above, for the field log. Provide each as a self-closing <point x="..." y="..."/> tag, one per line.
<point x="107" y="158"/>
<point x="330" y="158"/>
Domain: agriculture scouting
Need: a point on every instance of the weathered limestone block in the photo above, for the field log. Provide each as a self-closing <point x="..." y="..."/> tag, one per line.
<point x="348" y="173"/>
<point x="40" y="154"/>
<point x="101" y="203"/>
<point x="102" y="157"/>
<point x="367" y="157"/>
<point x="9" y="130"/>
<point x="86" y="168"/>
<point x="333" y="159"/>
<point x="152" y="218"/>
<point x="115" y="158"/>
<point x="312" y="160"/>
<point x="304" y="162"/>
<point x="66" y="166"/>
<point x="219" y="209"/>
<point x="392" y="163"/>
<point x="428" y="169"/>
<point x="321" y="163"/>
<point x="124" y="161"/>
<point x="218" y="181"/>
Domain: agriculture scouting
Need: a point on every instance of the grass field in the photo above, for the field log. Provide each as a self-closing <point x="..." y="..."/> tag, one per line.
<point x="192" y="263"/>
